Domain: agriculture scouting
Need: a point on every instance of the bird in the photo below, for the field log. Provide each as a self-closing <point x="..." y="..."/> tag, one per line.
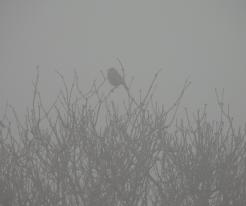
<point x="114" y="78"/>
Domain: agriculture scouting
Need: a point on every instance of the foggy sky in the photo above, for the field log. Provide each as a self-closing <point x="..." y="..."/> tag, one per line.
<point x="203" y="40"/>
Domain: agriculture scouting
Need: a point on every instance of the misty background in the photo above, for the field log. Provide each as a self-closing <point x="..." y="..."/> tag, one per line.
<point x="202" y="40"/>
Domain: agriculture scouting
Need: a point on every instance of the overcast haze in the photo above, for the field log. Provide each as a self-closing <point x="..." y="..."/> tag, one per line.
<point x="204" y="40"/>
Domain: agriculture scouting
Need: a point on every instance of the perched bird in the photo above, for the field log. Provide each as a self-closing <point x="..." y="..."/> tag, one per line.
<point x="115" y="78"/>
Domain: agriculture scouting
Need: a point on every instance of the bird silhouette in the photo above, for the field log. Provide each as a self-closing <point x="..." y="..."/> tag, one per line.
<point x="114" y="78"/>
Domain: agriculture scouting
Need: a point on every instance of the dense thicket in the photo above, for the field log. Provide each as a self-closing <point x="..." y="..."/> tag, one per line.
<point x="84" y="150"/>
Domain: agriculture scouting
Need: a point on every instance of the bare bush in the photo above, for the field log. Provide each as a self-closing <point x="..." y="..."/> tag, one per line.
<point x="84" y="151"/>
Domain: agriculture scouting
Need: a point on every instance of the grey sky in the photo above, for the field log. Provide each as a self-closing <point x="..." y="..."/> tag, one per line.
<point x="204" y="40"/>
